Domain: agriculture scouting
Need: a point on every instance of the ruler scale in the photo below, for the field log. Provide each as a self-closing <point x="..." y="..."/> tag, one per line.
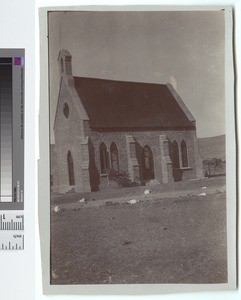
<point x="11" y="149"/>
<point x="12" y="221"/>
<point x="12" y="241"/>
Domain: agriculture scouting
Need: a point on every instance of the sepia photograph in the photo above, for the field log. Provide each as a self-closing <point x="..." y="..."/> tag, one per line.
<point x="137" y="147"/>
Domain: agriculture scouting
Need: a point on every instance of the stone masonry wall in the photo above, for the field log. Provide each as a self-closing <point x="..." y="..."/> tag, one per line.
<point x="68" y="137"/>
<point x="150" y="138"/>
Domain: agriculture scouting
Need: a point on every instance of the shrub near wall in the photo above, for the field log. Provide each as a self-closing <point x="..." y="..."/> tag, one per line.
<point x="120" y="179"/>
<point x="214" y="167"/>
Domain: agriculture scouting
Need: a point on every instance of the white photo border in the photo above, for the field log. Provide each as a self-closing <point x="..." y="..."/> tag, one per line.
<point x="44" y="165"/>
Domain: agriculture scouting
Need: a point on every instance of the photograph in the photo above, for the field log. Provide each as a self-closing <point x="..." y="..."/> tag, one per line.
<point x="137" y="147"/>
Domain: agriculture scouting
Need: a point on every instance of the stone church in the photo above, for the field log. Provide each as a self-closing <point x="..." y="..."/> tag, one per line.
<point x="107" y="129"/>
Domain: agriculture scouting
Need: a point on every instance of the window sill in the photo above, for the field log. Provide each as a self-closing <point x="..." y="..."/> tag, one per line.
<point x="103" y="175"/>
<point x="183" y="168"/>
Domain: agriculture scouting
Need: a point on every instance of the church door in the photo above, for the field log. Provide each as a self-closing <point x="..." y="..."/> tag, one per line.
<point x="147" y="164"/>
<point x="70" y="169"/>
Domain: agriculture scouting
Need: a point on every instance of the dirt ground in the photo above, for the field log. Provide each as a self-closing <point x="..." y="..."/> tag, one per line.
<point x="170" y="190"/>
<point x="175" y="240"/>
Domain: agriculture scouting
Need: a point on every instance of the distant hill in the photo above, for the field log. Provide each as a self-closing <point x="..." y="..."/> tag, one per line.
<point x="211" y="147"/>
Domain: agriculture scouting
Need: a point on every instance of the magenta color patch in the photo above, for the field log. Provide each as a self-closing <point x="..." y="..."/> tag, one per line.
<point x="17" y="61"/>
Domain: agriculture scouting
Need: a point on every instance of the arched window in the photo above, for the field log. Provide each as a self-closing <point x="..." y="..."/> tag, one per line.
<point x="70" y="168"/>
<point x="114" y="157"/>
<point x="147" y="163"/>
<point x="184" y="154"/>
<point x="175" y="155"/>
<point x="104" y="164"/>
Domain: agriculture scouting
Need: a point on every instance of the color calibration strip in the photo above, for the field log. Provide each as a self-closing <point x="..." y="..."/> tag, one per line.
<point x="11" y="149"/>
<point x="11" y="129"/>
<point x="6" y="117"/>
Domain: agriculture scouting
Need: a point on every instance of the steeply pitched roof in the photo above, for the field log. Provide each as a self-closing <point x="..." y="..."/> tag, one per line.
<point x="122" y="105"/>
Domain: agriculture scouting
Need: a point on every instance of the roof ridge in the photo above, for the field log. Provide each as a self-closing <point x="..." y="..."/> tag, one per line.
<point x="113" y="80"/>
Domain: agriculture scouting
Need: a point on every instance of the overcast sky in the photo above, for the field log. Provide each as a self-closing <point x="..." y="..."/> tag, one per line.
<point x="183" y="48"/>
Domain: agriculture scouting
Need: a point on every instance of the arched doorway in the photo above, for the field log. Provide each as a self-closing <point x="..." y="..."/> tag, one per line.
<point x="147" y="164"/>
<point x="70" y="169"/>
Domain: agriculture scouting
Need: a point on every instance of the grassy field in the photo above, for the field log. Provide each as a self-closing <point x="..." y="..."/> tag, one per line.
<point x="179" y="240"/>
<point x="212" y="147"/>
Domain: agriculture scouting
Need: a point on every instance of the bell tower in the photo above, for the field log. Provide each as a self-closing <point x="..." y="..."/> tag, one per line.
<point x="64" y="60"/>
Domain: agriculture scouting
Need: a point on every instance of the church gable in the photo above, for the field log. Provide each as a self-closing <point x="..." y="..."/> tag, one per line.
<point x="70" y="114"/>
<point x="66" y="115"/>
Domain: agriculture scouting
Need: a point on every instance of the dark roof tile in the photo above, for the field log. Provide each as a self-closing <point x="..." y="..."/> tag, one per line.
<point x="122" y="105"/>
